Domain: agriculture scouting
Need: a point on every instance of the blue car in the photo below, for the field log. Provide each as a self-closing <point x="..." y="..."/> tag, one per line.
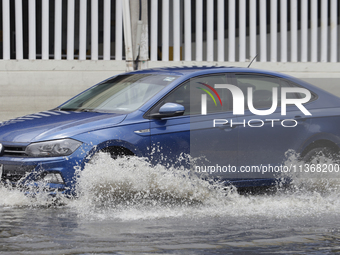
<point x="232" y="124"/>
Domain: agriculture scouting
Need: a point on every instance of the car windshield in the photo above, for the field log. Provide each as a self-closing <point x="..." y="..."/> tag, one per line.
<point x="124" y="93"/>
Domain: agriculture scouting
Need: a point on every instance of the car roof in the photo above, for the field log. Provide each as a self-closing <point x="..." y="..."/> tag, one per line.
<point x="181" y="70"/>
<point x="200" y="70"/>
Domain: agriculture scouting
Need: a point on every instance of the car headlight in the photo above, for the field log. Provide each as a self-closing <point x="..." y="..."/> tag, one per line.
<point x="55" y="148"/>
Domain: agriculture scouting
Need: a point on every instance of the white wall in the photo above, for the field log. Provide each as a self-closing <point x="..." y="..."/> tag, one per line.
<point x="29" y="86"/>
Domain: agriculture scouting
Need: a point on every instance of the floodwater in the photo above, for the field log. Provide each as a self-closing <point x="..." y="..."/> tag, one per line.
<point x="127" y="207"/>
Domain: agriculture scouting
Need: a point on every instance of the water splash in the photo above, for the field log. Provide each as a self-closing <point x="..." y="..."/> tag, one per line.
<point x="321" y="175"/>
<point x="131" y="183"/>
<point x="29" y="197"/>
<point x="132" y="189"/>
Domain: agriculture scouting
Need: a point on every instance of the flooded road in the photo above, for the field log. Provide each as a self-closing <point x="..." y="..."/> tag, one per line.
<point x="128" y="207"/>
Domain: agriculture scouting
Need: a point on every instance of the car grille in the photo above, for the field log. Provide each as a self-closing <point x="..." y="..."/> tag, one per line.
<point x="14" y="173"/>
<point x="18" y="151"/>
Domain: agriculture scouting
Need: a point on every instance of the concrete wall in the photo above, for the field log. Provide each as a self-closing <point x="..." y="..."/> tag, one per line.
<point x="29" y="86"/>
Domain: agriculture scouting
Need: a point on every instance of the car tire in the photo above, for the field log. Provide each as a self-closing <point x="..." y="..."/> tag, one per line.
<point x="320" y="151"/>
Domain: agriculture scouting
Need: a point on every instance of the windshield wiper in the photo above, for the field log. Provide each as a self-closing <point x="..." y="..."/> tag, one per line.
<point x="87" y="110"/>
<point x="80" y="110"/>
<point x="64" y="109"/>
<point x="72" y="110"/>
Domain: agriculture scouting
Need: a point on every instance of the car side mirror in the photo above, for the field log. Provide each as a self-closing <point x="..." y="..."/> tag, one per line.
<point x="168" y="110"/>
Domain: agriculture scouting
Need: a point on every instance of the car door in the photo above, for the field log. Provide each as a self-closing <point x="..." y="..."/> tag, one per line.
<point x="265" y="140"/>
<point x="210" y="148"/>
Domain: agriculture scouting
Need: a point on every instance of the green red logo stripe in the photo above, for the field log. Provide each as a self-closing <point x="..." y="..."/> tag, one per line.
<point x="213" y="90"/>
<point x="209" y="94"/>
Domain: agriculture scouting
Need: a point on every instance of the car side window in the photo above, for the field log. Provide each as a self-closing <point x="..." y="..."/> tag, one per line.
<point x="189" y="94"/>
<point x="262" y="87"/>
<point x="285" y="83"/>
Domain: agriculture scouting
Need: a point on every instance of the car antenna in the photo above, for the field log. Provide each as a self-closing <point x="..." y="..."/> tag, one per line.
<point x="252" y="61"/>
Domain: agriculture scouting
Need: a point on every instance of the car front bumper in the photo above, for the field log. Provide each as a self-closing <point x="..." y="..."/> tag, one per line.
<point x="52" y="174"/>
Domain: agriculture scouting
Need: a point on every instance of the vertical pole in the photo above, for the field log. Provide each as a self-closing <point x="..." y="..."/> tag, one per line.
<point x="199" y="30"/>
<point x="154" y="30"/>
<point x="304" y="30"/>
<point x="187" y="30"/>
<point x="314" y="31"/>
<point x="334" y="34"/>
<point x="107" y="30"/>
<point x="70" y="30"/>
<point x="231" y="28"/>
<point x="263" y="30"/>
<point x="252" y="28"/>
<point x="44" y="32"/>
<point x="283" y="28"/>
<point x="324" y="28"/>
<point x="165" y="31"/>
<point x="127" y="34"/>
<point x="242" y="31"/>
<point x="293" y="31"/>
<point x="176" y="30"/>
<point x="31" y="30"/>
<point x="82" y="29"/>
<point x="94" y="29"/>
<point x="220" y="31"/>
<point x="57" y="30"/>
<point x="6" y="30"/>
<point x="273" y="31"/>
<point x="210" y="30"/>
<point x="119" y="31"/>
<point x="18" y="29"/>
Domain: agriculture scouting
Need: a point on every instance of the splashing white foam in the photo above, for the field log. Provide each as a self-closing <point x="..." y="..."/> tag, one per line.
<point x="131" y="189"/>
<point x="30" y="196"/>
<point x="12" y="197"/>
<point x="321" y="175"/>
<point x="132" y="183"/>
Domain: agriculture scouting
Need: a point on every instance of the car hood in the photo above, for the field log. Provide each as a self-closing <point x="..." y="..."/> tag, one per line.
<point x="51" y="125"/>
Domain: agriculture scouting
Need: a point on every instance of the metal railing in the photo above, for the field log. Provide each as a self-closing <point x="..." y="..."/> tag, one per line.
<point x="189" y="30"/>
<point x="63" y="19"/>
